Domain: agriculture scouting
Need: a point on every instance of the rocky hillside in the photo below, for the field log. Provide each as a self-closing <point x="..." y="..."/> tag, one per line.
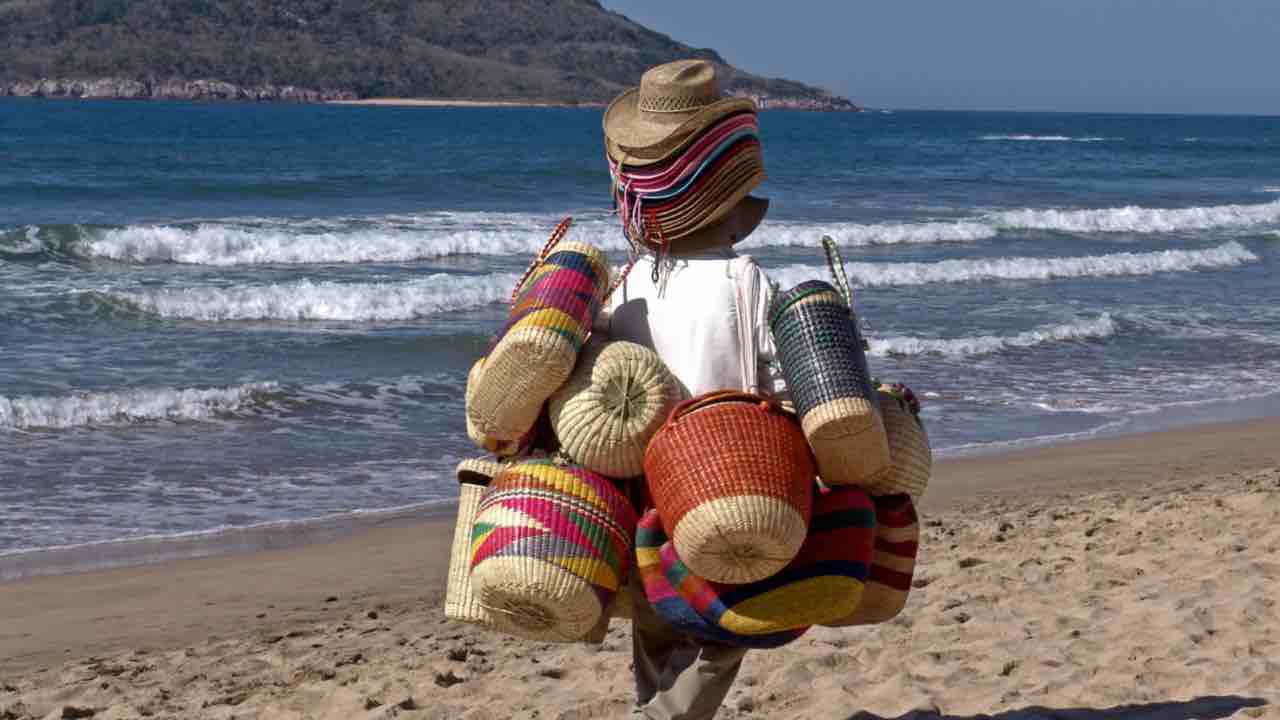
<point x="304" y="50"/>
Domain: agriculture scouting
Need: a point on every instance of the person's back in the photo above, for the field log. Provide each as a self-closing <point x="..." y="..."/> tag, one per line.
<point x="704" y="316"/>
<point x="684" y="160"/>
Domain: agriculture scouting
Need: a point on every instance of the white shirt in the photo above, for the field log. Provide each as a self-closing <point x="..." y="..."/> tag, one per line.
<point x="708" y="319"/>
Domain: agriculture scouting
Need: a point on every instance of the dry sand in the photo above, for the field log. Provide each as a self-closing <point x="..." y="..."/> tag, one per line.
<point x="1121" y="578"/>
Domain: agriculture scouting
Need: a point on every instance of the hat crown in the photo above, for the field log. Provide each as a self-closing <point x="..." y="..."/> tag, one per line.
<point x="680" y="86"/>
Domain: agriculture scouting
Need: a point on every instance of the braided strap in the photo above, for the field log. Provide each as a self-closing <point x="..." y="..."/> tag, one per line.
<point x="557" y="235"/>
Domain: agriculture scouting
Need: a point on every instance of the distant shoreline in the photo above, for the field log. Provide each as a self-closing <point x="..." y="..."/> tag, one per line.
<point x="450" y="102"/>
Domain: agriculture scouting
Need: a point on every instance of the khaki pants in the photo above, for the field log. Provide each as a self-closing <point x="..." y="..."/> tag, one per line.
<point x="678" y="677"/>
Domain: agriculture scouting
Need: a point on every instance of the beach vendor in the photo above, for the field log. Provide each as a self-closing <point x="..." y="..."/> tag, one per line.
<point x="683" y="160"/>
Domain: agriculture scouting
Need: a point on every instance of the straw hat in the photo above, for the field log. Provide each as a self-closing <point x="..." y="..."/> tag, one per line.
<point x="673" y="104"/>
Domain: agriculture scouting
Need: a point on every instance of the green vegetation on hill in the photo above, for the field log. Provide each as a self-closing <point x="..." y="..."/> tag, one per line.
<point x="557" y="50"/>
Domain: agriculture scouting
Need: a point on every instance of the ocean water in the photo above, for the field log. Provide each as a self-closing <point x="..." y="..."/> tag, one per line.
<point x="223" y="316"/>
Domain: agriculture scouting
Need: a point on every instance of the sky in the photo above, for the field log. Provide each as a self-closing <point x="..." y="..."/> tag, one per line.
<point x="1141" y="56"/>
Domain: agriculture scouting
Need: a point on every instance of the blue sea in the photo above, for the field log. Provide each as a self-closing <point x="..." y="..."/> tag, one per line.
<point x="224" y="319"/>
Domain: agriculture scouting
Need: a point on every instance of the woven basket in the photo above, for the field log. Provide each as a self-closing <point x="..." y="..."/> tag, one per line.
<point x="550" y="547"/>
<point x="497" y="446"/>
<point x="824" y="583"/>
<point x="618" y="396"/>
<point x="911" y="460"/>
<point x="823" y="361"/>
<point x="673" y="605"/>
<point x="732" y="477"/>
<point x="551" y="315"/>
<point x="460" y="602"/>
<point x="892" y="565"/>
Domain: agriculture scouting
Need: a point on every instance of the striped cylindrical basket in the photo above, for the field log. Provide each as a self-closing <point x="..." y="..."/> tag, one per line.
<point x="460" y="603"/>
<point x="618" y="396"/>
<point x="497" y="446"/>
<point x="550" y="547"/>
<point x="825" y="582"/>
<point x="892" y="566"/>
<point x="910" y="458"/>
<point x="658" y="565"/>
<point x="733" y="479"/>
<point x="551" y="316"/>
<point x="825" y="365"/>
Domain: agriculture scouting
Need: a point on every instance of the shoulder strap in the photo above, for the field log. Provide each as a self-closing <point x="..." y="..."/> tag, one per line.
<point x="746" y="296"/>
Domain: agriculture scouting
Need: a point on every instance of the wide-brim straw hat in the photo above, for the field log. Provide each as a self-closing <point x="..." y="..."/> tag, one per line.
<point x="674" y="103"/>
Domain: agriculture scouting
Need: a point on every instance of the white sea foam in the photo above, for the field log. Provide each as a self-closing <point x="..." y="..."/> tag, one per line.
<point x="126" y="407"/>
<point x="1043" y="138"/>
<point x="308" y="300"/>
<point x="1134" y="219"/>
<point x="859" y="235"/>
<point x="407" y="238"/>
<point x="220" y="244"/>
<point x="1227" y="255"/>
<point x="1271" y="189"/>
<point x="1085" y="329"/>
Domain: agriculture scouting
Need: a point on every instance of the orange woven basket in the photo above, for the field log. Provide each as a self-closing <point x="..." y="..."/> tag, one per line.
<point x="732" y="478"/>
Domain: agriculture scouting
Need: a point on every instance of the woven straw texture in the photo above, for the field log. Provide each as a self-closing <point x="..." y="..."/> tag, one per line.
<point x="910" y="458"/>
<point x="550" y="547"/>
<point x="825" y="582"/>
<point x="675" y="608"/>
<point x="536" y="350"/>
<point x="460" y="602"/>
<point x="618" y="396"/>
<point x="499" y="447"/>
<point x="732" y="478"/>
<point x="892" y="565"/>
<point x="822" y="358"/>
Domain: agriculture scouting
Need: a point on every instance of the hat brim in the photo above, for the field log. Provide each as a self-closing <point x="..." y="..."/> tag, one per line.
<point x="632" y="135"/>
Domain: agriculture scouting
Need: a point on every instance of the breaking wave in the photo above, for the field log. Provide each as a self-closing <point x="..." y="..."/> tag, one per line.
<point x="306" y="300"/>
<point x="1227" y="255"/>
<point x="1135" y="219"/>
<point x="1043" y="138"/>
<point x="1088" y="329"/>
<point x="129" y="407"/>
<point x="397" y="239"/>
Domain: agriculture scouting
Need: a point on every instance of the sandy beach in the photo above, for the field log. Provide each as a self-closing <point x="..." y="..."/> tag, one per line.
<point x="1126" y="577"/>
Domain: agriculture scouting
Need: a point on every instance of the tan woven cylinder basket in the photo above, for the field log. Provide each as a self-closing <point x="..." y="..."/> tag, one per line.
<point x="911" y="459"/>
<point x="460" y="601"/>
<point x="552" y="311"/>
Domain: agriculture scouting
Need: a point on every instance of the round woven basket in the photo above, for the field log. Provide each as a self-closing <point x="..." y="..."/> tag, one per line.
<point x="892" y="565"/>
<point x="821" y="354"/>
<point x="618" y="396"/>
<point x="536" y="350"/>
<point x="910" y="458"/>
<point x="732" y="477"/>
<point x="658" y="564"/>
<point x="825" y="582"/>
<point x="550" y="547"/>
<point x="460" y="601"/>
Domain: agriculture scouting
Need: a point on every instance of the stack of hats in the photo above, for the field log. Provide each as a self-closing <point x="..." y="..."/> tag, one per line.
<point x="681" y="156"/>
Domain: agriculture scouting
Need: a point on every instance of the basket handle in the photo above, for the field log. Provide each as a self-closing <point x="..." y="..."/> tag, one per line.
<point x="557" y="235"/>
<point x="720" y="396"/>
<point x="836" y="264"/>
